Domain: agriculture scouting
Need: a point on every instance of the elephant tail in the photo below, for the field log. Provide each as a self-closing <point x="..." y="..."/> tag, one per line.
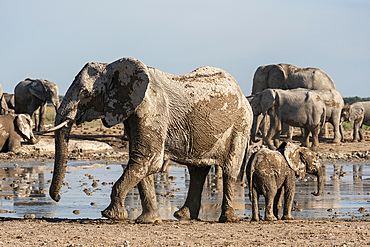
<point x="323" y="118"/>
<point x="241" y="176"/>
<point x="250" y="170"/>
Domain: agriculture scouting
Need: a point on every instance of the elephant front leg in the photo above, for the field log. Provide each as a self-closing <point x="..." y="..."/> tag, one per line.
<point x="132" y="175"/>
<point x="288" y="200"/>
<point x="191" y="208"/>
<point x="356" y="128"/>
<point x="148" y="202"/>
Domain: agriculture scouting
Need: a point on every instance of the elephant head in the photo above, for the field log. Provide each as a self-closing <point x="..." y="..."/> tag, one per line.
<point x="23" y="126"/>
<point x="261" y="104"/>
<point x="110" y="92"/>
<point x="302" y="160"/>
<point x="45" y="91"/>
<point x="352" y="112"/>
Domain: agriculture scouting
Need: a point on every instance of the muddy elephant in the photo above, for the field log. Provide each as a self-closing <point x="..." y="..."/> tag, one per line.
<point x="31" y="94"/>
<point x="287" y="76"/>
<point x="15" y="128"/>
<point x="299" y="108"/>
<point x="199" y="119"/>
<point x="272" y="174"/>
<point x="359" y="113"/>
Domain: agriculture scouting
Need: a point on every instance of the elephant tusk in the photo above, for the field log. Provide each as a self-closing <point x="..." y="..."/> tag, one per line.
<point x="52" y="129"/>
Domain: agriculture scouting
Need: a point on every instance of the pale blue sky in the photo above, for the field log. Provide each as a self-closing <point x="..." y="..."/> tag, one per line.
<point x="54" y="39"/>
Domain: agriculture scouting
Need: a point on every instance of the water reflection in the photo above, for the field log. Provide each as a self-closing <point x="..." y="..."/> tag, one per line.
<point x="24" y="190"/>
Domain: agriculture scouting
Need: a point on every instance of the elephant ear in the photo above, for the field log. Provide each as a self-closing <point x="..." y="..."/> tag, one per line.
<point x="277" y="76"/>
<point x="126" y="88"/>
<point x="37" y="89"/>
<point x="24" y="124"/>
<point x="356" y="113"/>
<point x="267" y="100"/>
<point x="292" y="154"/>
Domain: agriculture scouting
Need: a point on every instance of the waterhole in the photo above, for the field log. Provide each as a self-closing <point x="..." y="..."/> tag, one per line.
<point x="24" y="190"/>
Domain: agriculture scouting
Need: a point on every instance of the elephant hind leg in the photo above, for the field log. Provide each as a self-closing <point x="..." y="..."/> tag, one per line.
<point x="190" y="210"/>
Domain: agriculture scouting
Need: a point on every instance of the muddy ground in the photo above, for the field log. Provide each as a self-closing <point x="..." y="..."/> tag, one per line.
<point x="99" y="143"/>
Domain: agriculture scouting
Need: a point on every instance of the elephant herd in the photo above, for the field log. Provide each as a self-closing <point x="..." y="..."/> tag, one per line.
<point x="199" y="119"/>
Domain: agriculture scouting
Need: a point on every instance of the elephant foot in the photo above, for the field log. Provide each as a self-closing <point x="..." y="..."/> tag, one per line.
<point x="182" y="214"/>
<point x="314" y="148"/>
<point x="336" y="140"/>
<point x="362" y="140"/>
<point x="114" y="212"/>
<point x="228" y="216"/>
<point x="149" y="218"/>
<point x="354" y="140"/>
<point x="270" y="218"/>
<point x="288" y="217"/>
<point x="255" y="218"/>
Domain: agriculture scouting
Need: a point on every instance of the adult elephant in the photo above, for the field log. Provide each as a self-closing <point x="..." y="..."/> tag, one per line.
<point x="199" y="119"/>
<point x="297" y="107"/>
<point x="359" y="113"/>
<point x="31" y="94"/>
<point x="14" y="128"/>
<point x="287" y="76"/>
<point x="334" y="103"/>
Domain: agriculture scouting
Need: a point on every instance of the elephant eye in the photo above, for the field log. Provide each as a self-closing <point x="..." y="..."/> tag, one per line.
<point x="85" y="93"/>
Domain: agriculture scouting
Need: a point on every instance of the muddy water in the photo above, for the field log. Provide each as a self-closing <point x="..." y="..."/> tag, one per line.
<point x="24" y="190"/>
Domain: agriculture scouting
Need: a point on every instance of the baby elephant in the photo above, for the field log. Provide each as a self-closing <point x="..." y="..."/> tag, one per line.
<point x="272" y="174"/>
<point x="14" y="128"/>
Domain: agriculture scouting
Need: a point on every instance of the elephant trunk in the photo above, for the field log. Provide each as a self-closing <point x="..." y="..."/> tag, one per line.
<point x="60" y="163"/>
<point x="319" y="182"/>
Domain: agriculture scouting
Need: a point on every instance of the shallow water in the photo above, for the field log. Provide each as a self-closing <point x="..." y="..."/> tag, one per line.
<point x="25" y="185"/>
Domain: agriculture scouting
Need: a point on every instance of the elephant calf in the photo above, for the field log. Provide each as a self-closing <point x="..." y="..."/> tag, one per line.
<point x="272" y="174"/>
<point x="13" y="129"/>
<point x="359" y="113"/>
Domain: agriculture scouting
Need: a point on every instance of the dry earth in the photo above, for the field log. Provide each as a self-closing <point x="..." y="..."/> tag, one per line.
<point x="99" y="143"/>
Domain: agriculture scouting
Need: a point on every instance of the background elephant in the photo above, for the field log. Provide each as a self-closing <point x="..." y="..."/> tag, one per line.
<point x="10" y="101"/>
<point x="3" y="105"/>
<point x="14" y="128"/>
<point x="299" y="108"/>
<point x="31" y="94"/>
<point x="199" y="119"/>
<point x="272" y="174"/>
<point x="334" y="103"/>
<point x="359" y="113"/>
<point x="287" y="76"/>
